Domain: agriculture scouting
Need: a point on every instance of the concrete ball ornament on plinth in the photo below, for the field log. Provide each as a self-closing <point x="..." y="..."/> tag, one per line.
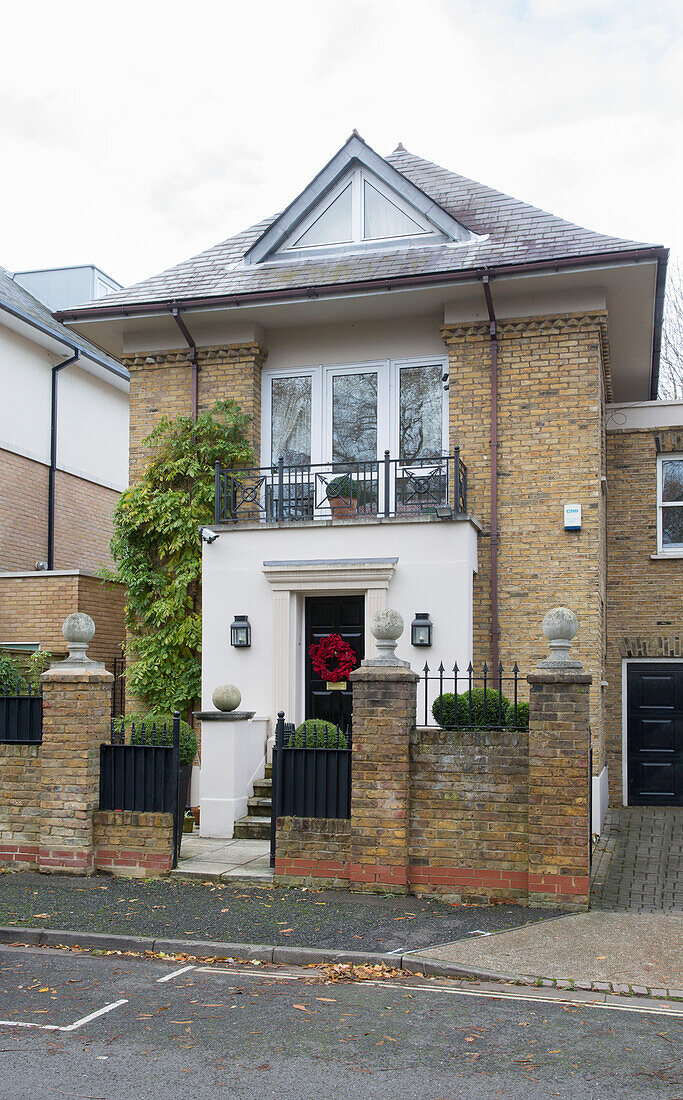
<point x="386" y="628"/>
<point x="78" y="629"/>
<point x="560" y="626"/>
<point x="226" y="697"/>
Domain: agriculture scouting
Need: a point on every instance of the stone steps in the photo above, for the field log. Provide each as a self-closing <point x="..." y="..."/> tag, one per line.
<point x="252" y="828"/>
<point x="256" y="824"/>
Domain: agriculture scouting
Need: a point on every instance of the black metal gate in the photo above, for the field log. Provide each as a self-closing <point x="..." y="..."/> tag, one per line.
<point x="21" y="718"/>
<point x="311" y="773"/>
<point x="139" y="771"/>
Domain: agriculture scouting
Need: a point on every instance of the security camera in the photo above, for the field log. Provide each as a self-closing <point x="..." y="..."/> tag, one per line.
<point x="208" y="535"/>
<point x="41" y="566"/>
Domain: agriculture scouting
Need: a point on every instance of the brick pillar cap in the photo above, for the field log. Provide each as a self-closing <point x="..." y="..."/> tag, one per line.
<point x="368" y="673"/>
<point x="77" y="675"/>
<point x="559" y="676"/>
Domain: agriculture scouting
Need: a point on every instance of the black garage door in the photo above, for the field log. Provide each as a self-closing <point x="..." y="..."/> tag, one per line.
<point x="655" y="734"/>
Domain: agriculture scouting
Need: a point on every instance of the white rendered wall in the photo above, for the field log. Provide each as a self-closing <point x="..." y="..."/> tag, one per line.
<point x="92" y="420"/>
<point x="433" y="573"/>
<point x="344" y="344"/>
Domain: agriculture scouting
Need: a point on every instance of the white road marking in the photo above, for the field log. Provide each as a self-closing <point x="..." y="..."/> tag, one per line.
<point x="492" y="994"/>
<point x="66" y="1027"/>
<point x="176" y="973"/>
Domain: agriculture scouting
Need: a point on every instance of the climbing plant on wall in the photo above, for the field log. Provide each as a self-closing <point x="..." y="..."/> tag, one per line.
<point x="157" y="550"/>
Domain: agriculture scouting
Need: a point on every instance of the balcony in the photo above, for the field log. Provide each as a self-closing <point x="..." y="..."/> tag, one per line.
<point x="385" y="488"/>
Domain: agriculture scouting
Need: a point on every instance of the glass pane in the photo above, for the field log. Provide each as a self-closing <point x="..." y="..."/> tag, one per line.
<point x="383" y="219"/>
<point x="291" y="420"/>
<point x="354" y="417"/>
<point x="672" y="526"/>
<point x="420" y="413"/>
<point x="333" y="226"/>
<point x="672" y="479"/>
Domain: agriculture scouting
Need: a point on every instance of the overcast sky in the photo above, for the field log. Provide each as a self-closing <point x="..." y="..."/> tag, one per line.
<point x="133" y="135"/>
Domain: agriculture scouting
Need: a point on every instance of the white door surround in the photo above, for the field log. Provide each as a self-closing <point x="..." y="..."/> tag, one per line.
<point x="291" y="581"/>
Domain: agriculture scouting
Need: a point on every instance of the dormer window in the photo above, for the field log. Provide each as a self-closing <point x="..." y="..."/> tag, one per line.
<point x="361" y="211"/>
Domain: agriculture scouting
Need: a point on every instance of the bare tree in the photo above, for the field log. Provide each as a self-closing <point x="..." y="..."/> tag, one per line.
<point x="671" y="361"/>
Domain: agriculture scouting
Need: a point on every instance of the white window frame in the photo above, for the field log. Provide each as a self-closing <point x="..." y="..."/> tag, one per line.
<point x="388" y="403"/>
<point x="356" y="180"/>
<point x="676" y="549"/>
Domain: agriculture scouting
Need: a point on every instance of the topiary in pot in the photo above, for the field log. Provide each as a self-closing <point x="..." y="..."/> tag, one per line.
<point x="471" y="709"/>
<point x="311" y="734"/>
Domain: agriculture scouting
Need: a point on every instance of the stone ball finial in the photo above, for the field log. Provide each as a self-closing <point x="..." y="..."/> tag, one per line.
<point x="560" y="626"/>
<point x="386" y="627"/>
<point x="78" y="627"/>
<point x="79" y="630"/>
<point x="226" y="697"/>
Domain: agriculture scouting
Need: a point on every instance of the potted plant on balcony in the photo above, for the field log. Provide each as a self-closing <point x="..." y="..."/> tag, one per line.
<point x="343" y="493"/>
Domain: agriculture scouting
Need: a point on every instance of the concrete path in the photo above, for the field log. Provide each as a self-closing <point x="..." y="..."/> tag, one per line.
<point x="638" y="863"/>
<point x="224" y="860"/>
<point x="637" y="950"/>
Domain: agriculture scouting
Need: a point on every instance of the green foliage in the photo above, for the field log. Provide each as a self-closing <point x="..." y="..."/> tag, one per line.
<point x="143" y="728"/>
<point x="157" y="550"/>
<point x="18" y="674"/>
<point x="305" y="735"/>
<point x="484" y="711"/>
<point x="11" y="679"/>
<point x="522" y="722"/>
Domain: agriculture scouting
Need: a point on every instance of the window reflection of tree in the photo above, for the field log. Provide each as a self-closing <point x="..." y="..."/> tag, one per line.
<point x="354" y="417"/>
<point x="421" y="413"/>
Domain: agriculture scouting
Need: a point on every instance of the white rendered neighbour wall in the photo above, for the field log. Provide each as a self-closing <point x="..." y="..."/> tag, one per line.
<point x="410" y="566"/>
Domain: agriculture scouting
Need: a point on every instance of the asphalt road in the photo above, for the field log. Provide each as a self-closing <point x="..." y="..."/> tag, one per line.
<point x="268" y="1031"/>
<point x="242" y="913"/>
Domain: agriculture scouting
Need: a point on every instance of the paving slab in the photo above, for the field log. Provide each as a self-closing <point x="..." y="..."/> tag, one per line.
<point x="634" y="949"/>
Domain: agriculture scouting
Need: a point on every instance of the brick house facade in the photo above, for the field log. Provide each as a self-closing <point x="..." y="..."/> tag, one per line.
<point x="396" y="290"/>
<point x="63" y="465"/>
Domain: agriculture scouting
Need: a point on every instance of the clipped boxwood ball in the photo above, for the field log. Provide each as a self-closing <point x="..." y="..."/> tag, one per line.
<point x="311" y="734"/>
<point x="143" y="730"/>
<point x="484" y="711"/>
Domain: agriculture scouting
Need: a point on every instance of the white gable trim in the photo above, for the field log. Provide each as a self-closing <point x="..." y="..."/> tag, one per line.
<point x="355" y="152"/>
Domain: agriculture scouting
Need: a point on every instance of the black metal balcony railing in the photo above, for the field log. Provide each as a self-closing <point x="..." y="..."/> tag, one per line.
<point x="300" y="493"/>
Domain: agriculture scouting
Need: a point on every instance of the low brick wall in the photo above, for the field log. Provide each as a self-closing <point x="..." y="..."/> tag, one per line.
<point x="133" y="844"/>
<point x="20" y="790"/>
<point x="485" y="815"/>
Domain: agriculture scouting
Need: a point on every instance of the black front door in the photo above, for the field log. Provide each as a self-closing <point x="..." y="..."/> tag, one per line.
<point x="655" y="734"/>
<point x="343" y="615"/>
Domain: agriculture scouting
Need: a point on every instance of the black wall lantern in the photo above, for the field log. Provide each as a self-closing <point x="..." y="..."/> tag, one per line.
<point x="240" y="632"/>
<point x="421" y="629"/>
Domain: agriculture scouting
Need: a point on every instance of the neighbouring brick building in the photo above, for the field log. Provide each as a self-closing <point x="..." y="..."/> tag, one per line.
<point x="395" y="324"/>
<point x="63" y="465"/>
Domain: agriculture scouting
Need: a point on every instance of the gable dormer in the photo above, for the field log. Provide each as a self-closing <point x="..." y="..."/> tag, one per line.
<point x="358" y="202"/>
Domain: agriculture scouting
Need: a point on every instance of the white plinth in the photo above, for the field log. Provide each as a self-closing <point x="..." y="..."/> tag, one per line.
<point x="233" y="759"/>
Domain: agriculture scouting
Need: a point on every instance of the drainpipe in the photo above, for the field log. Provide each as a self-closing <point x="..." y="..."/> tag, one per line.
<point x="53" y="460"/>
<point x="175" y="313"/>
<point x="493" y="331"/>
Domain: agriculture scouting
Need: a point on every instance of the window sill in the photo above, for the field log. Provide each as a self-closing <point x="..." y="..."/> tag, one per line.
<point x="667" y="557"/>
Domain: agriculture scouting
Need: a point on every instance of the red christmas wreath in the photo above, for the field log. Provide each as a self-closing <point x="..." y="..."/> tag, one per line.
<point x="329" y="649"/>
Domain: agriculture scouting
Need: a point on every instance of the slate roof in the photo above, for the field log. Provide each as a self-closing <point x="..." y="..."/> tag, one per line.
<point x="16" y="300"/>
<point x="514" y="232"/>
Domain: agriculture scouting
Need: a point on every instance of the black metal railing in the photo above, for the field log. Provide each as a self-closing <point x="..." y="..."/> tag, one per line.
<point x="21" y="717"/>
<point x="311" y="772"/>
<point x="139" y="770"/>
<point x="471" y="700"/>
<point x="285" y="493"/>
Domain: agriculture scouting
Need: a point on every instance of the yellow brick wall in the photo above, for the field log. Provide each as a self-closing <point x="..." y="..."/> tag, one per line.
<point x="550" y="413"/>
<point x="644" y="596"/>
<point x="161" y="385"/>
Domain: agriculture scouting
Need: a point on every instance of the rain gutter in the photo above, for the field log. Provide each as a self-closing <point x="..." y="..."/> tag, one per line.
<point x="101" y="360"/>
<point x="53" y="458"/>
<point x="493" y="333"/>
<point x="175" y="313"/>
<point x="657" y="254"/>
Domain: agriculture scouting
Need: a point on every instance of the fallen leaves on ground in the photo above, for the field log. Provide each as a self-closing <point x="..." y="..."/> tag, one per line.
<point x="350" y="972"/>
